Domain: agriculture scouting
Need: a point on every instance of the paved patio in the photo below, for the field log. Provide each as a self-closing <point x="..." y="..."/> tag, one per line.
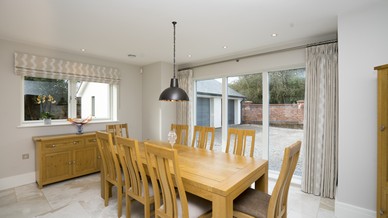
<point x="279" y="138"/>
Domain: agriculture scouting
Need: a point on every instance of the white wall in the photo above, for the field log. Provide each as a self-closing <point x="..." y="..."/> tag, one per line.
<point x="16" y="141"/>
<point x="363" y="44"/>
<point x="157" y="115"/>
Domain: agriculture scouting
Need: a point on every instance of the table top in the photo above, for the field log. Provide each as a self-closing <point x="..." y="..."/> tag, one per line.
<point x="213" y="171"/>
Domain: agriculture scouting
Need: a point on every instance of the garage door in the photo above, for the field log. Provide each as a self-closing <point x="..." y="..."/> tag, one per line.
<point x="230" y="111"/>
<point x="203" y="111"/>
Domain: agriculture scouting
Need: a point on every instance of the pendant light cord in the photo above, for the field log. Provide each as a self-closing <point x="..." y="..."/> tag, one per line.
<point x="174" y="23"/>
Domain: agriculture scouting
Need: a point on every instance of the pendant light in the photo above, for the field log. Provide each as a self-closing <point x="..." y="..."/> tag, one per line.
<point x="174" y="93"/>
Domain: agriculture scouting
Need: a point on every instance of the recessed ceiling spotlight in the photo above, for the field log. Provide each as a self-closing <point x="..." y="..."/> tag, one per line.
<point x="189" y="55"/>
<point x="83" y="50"/>
<point x="274" y="34"/>
<point x="225" y="46"/>
<point x="131" y="55"/>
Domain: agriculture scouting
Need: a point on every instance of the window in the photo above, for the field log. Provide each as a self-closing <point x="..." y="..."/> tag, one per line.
<point x="61" y="89"/>
<point x="65" y="98"/>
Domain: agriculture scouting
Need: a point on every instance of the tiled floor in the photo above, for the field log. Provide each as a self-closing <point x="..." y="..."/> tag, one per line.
<point x="79" y="198"/>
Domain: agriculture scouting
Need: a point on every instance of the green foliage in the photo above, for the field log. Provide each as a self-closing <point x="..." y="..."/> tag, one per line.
<point x="250" y="87"/>
<point x="285" y="87"/>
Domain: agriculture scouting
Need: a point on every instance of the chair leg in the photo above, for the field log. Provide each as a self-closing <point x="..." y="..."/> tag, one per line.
<point x="127" y="206"/>
<point x="147" y="210"/>
<point x="119" y="201"/>
<point x="106" y="192"/>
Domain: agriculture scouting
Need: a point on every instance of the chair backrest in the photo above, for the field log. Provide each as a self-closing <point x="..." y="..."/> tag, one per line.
<point x="110" y="161"/>
<point x="201" y="136"/>
<point x="135" y="177"/>
<point x="278" y="203"/>
<point x="159" y="162"/>
<point x="120" y="129"/>
<point x="182" y="133"/>
<point x="238" y="138"/>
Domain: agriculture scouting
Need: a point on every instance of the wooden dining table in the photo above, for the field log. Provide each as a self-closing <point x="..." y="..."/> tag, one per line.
<point x="217" y="176"/>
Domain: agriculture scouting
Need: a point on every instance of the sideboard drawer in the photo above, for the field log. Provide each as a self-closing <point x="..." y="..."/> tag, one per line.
<point x="59" y="145"/>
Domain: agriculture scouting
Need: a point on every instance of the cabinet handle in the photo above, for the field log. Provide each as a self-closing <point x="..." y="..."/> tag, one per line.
<point x="75" y="142"/>
<point x="92" y="140"/>
<point x="73" y="161"/>
<point x="69" y="162"/>
<point x="381" y="212"/>
<point x="382" y="128"/>
<point x="53" y="145"/>
<point x="98" y="157"/>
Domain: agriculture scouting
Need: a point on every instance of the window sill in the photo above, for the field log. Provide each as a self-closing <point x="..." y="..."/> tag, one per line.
<point x="40" y="123"/>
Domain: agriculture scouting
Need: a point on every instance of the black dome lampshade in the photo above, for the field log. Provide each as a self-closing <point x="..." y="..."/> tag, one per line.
<point x="174" y="93"/>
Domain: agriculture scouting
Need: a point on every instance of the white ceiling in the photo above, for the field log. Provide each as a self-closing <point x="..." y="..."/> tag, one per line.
<point x="112" y="29"/>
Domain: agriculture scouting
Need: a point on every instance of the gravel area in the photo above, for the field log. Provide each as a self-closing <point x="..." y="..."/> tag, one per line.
<point x="279" y="138"/>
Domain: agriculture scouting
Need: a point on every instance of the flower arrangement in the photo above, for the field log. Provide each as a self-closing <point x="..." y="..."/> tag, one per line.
<point x="45" y="103"/>
<point x="79" y="123"/>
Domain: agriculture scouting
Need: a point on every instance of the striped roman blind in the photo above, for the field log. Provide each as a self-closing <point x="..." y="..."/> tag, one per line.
<point x="52" y="68"/>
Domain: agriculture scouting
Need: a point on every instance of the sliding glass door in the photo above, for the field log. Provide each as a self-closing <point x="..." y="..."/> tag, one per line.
<point x="286" y="113"/>
<point x="271" y="103"/>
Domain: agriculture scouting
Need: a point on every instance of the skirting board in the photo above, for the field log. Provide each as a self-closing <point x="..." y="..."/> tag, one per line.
<point x="343" y="210"/>
<point x="15" y="181"/>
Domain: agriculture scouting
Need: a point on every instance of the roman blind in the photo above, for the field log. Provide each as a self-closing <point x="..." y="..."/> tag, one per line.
<point x="53" y="68"/>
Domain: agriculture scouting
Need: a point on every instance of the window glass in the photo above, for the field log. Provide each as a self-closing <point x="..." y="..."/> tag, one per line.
<point x="286" y="113"/>
<point x="209" y="108"/>
<point x="245" y="106"/>
<point x="93" y="100"/>
<point x="45" y="96"/>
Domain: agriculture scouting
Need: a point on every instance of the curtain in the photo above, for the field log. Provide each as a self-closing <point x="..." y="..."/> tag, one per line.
<point x="52" y="68"/>
<point x="320" y="168"/>
<point x="183" y="108"/>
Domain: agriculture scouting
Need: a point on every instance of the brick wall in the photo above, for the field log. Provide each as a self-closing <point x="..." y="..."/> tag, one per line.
<point x="284" y="115"/>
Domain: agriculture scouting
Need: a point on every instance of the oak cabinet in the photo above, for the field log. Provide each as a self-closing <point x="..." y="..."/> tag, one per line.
<point x="63" y="157"/>
<point x="382" y="142"/>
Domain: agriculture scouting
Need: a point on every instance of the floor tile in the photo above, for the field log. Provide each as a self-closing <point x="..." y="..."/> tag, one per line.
<point x="83" y="193"/>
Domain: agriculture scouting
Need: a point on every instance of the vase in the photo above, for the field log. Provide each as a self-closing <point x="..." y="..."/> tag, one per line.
<point x="172" y="137"/>
<point x="47" y="121"/>
<point x="80" y="128"/>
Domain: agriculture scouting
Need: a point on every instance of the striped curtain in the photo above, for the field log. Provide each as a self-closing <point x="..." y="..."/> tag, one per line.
<point x="320" y="168"/>
<point x="183" y="108"/>
<point x="52" y="68"/>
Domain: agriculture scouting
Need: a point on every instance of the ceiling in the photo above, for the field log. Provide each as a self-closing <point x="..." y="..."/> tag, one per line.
<point x="114" y="29"/>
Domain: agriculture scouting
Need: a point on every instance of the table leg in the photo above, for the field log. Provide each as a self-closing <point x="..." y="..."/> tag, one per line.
<point x="222" y="206"/>
<point x="262" y="183"/>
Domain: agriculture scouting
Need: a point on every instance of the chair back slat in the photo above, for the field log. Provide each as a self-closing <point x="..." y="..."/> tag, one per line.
<point x="162" y="164"/>
<point x="278" y="202"/>
<point x="182" y="133"/>
<point x="239" y="139"/>
<point x="203" y="137"/>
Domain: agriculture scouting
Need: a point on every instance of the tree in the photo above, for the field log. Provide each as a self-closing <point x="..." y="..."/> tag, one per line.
<point x="285" y="87"/>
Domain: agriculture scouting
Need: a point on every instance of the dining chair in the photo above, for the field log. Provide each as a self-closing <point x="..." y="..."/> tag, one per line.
<point x="182" y="133"/>
<point x="174" y="202"/>
<point x="137" y="186"/>
<point x="111" y="168"/>
<point x="201" y="136"/>
<point x="253" y="203"/>
<point x="239" y="138"/>
<point x="120" y="129"/>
